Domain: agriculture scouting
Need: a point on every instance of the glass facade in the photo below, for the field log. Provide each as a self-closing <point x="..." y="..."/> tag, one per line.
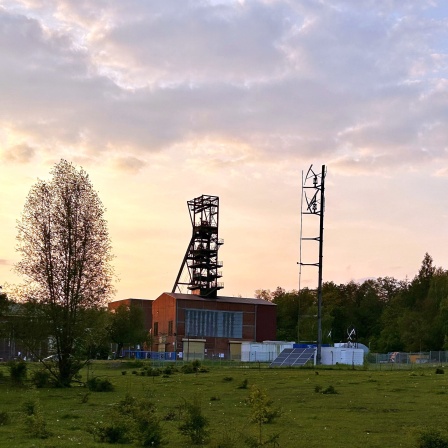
<point x="218" y="324"/>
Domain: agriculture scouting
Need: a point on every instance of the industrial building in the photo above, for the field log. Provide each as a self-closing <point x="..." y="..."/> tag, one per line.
<point x="197" y="327"/>
<point x="202" y="324"/>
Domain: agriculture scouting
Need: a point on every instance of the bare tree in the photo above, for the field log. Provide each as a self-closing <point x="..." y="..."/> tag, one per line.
<point x="66" y="254"/>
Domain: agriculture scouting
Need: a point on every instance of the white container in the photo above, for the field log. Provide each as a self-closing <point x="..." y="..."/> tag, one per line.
<point x="265" y="351"/>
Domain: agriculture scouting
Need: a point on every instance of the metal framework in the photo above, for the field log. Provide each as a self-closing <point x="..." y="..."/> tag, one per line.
<point x="313" y="203"/>
<point x="201" y="257"/>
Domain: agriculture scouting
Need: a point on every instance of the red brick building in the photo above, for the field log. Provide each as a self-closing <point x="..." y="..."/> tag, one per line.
<point x="196" y="327"/>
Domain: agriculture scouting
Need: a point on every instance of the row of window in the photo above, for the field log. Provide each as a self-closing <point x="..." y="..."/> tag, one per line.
<point x="207" y="323"/>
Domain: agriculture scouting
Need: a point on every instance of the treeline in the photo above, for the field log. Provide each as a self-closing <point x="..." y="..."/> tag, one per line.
<point x="386" y="314"/>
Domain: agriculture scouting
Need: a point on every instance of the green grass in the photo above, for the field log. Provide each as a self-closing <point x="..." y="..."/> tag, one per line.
<point x="370" y="408"/>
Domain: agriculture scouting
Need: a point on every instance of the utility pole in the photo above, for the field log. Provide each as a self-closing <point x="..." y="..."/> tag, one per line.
<point x="313" y="203"/>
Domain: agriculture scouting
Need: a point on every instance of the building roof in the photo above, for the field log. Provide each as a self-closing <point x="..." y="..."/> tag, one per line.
<point x="132" y="298"/>
<point x="246" y="301"/>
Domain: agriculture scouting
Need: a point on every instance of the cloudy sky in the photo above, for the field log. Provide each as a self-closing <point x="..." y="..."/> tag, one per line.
<point x="165" y="100"/>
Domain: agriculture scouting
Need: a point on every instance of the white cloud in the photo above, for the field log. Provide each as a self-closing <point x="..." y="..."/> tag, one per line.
<point x="230" y="96"/>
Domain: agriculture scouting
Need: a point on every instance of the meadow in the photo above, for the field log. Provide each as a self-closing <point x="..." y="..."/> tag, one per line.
<point x="318" y="407"/>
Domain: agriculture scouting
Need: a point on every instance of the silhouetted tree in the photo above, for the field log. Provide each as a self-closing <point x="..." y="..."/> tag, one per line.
<point x="65" y="260"/>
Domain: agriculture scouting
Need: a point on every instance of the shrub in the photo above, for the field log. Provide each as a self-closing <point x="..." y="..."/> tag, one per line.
<point x="195" y="423"/>
<point x="30" y="407"/>
<point x="187" y="368"/>
<point x="262" y="412"/>
<point x="99" y="385"/>
<point x="193" y="367"/>
<point x="17" y="372"/>
<point x="214" y="398"/>
<point x="439" y="371"/>
<point x="37" y="426"/>
<point x="432" y="439"/>
<point x="143" y="424"/>
<point x="261" y="404"/>
<point x="34" y="420"/>
<point x="329" y="390"/>
<point x="40" y="378"/>
<point x="169" y="369"/>
<point x="114" y="431"/>
<point x="317" y="389"/>
<point x="132" y="420"/>
<point x="227" y="379"/>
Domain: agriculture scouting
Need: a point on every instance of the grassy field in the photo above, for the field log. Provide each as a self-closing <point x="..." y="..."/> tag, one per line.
<point x="371" y="408"/>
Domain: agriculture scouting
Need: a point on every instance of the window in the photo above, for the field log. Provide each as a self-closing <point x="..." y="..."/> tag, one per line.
<point x="156" y="328"/>
<point x="219" y="324"/>
<point x="170" y="328"/>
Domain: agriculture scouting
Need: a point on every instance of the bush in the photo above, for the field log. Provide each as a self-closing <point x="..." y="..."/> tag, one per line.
<point x="37" y="426"/>
<point x="432" y="439"/>
<point x="99" y="385"/>
<point x="143" y="424"/>
<point x="133" y="420"/>
<point x="187" y="368"/>
<point x="439" y="371"/>
<point x="227" y="379"/>
<point x="169" y="369"/>
<point x="329" y="390"/>
<point x="17" y="372"/>
<point x="244" y="384"/>
<point x="30" y="407"/>
<point x="262" y="413"/>
<point x="34" y="420"/>
<point x="114" y="431"/>
<point x="40" y="378"/>
<point x="195" y="423"/>
<point x="193" y="367"/>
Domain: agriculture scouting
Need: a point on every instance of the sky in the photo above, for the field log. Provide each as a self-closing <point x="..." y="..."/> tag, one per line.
<point x="166" y="100"/>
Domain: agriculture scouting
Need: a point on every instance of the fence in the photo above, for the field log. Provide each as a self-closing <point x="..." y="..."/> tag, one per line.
<point x="401" y="359"/>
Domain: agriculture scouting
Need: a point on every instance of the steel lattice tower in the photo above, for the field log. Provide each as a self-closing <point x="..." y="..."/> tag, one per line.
<point x="201" y="257"/>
